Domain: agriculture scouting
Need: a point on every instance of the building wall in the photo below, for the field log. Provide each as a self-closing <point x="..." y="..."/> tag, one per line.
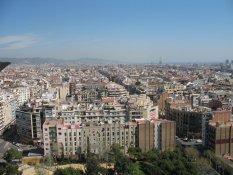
<point x="7" y="112"/>
<point x="145" y="136"/>
<point x="71" y="139"/>
<point x="22" y="93"/>
<point x="223" y="116"/>
<point x="24" y="126"/>
<point x="168" y="134"/>
<point x="221" y="138"/>
<point x="29" y="125"/>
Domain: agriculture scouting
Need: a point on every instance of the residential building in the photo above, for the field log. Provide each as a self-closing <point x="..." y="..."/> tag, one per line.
<point x="157" y="133"/>
<point x="29" y="123"/>
<point x="220" y="138"/>
<point x="72" y="139"/>
<point x="7" y="111"/>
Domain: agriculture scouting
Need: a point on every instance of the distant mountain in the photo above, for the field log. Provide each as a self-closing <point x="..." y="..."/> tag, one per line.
<point x="58" y="61"/>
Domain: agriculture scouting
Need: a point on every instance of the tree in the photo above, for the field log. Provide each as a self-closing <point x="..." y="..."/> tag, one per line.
<point x="122" y="164"/>
<point x="92" y="163"/>
<point x="137" y="169"/>
<point x="135" y="153"/>
<point x="192" y="154"/>
<point x="12" y="154"/>
<point x="8" y="169"/>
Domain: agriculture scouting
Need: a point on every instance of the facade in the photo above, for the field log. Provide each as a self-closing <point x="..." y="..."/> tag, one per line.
<point x="106" y="110"/>
<point x="7" y="111"/>
<point x="157" y="133"/>
<point x="145" y="136"/>
<point x="189" y="121"/>
<point x="23" y="94"/>
<point x="141" y="107"/>
<point x="86" y="96"/>
<point x="172" y="88"/>
<point x="116" y="90"/>
<point x="71" y="139"/>
<point x="63" y="91"/>
<point x="220" y="138"/>
<point x="29" y="124"/>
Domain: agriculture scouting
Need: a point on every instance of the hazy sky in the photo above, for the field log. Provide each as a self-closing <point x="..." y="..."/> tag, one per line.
<point x="140" y="30"/>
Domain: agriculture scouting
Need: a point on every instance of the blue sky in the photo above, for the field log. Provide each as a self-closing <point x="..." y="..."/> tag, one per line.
<point x="133" y="30"/>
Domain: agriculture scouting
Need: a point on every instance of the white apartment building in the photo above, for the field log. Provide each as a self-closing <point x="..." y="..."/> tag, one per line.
<point x="116" y="90"/>
<point x="7" y="111"/>
<point x="106" y="110"/>
<point x="22" y="94"/>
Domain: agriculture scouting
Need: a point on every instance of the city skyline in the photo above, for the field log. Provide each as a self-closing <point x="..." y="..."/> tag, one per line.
<point x="134" y="31"/>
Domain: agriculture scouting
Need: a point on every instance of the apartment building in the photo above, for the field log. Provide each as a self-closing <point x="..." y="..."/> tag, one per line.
<point x="7" y="111"/>
<point x="220" y="138"/>
<point x="22" y="94"/>
<point x="189" y="121"/>
<point x="71" y="139"/>
<point x="157" y="133"/>
<point x="141" y="107"/>
<point x="86" y="95"/>
<point x="106" y="110"/>
<point x="116" y="90"/>
<point x="172" y="88"/>
<point x="29" y="123"/>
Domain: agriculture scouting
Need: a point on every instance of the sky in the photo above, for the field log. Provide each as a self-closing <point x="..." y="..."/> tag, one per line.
<point x="123" y="30"/>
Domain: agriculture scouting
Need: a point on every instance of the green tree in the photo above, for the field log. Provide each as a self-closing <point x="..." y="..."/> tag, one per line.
<point x="122" y="164"/>
<point x="8" y="169"/>
<point x="135" y="153"/>
<point x="191" y="153"/>
<point x="12" y="154"/>
<point x="92" y="162"/>
<point x="137" y="169"/>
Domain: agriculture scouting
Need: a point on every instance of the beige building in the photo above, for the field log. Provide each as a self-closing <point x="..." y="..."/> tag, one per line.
<point x="171" y="88"/>
<point x="141" y="107"/>
<point x="157" y="133"/>
<point x="220" y="138"/>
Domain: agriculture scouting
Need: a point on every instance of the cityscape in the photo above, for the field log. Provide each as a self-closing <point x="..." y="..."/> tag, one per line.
<point x="116" y="88"/>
